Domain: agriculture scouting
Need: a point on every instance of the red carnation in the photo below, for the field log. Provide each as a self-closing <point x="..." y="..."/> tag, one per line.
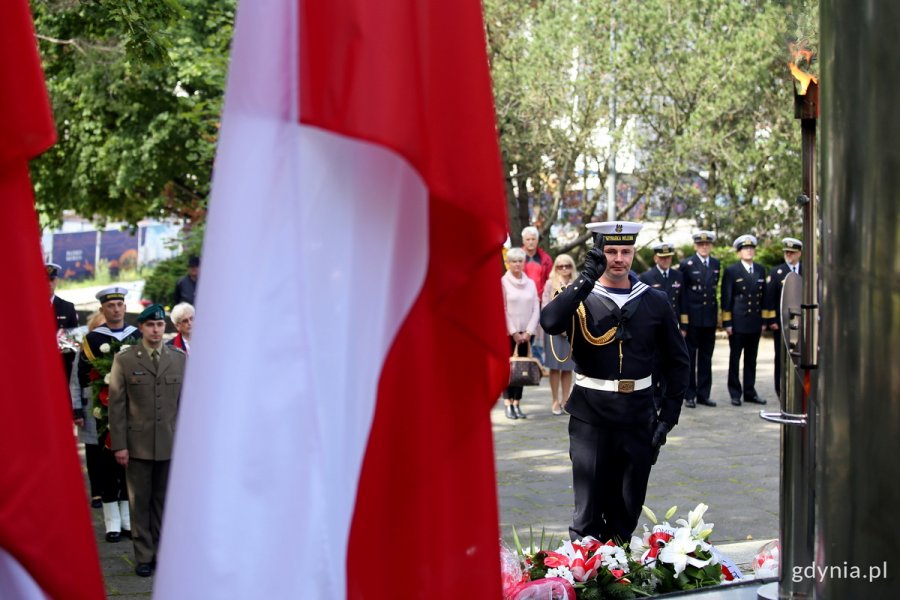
<point x="94" y="375"/>
<point x="108" y="441"/>
<point x="103" y="396"/>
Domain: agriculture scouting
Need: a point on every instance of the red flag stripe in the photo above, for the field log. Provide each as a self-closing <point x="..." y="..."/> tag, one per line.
<point x="414" y="78"/>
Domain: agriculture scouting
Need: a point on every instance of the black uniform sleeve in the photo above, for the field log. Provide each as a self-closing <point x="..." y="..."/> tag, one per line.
<point x="674" y="365"/>
<point x="727" y="297"/>
<point x="556" y="315"/>
<point x="683" y="300"/>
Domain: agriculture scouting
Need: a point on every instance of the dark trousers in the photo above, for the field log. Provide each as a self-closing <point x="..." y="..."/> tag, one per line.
<point x="113" y="485"/>
<point x="93" y="458"/>
<point x="514" y="392"/>
<point x="748" y="343"/>
<point x="147" y="481"/>
<point x="778" y="344"/>
<point x="701" y="341"/>
<point x="610" y="469"/>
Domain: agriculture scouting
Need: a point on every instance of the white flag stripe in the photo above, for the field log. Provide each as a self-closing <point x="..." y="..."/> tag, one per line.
<point x="316" y="248"/>
<point x="15" y="581"/>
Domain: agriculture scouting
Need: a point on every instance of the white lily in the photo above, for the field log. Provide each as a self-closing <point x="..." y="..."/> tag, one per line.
<point x="650" y="514"/>
<point x="696" y="515"/>
<point x="677" y="551"/>
<point x="699" y="529"/>
<point x="671" y="512"/>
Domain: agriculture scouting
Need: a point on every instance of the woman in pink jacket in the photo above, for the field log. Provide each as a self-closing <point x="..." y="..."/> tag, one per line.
<point x="523" y="307"/>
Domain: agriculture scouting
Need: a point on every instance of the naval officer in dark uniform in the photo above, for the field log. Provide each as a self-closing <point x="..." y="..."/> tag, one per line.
<point x="662" y="276"/>
<point x="700" y="316"/>
<point x="622" y="327"/>
<point x="66" y="316"/>
<point x="743" y="290"/>
<point x="772" y="303"/>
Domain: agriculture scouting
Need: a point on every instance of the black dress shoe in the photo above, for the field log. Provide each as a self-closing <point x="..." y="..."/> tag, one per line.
<point x="126" y="533"/>
<point x="96" y="502"/>
<point x="143" y="570"/>
<point x="736" y="401"/>
<point x="510" y="412"/>
<point x="519" y="412"/>
<point x="755" y="400"/>
<point x="113" y="537"/>
<point x="706" y="402"/>
<point x="690" y="403"/>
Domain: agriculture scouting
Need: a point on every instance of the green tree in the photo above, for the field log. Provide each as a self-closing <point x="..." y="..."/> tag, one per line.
<point x="136" y="89"/>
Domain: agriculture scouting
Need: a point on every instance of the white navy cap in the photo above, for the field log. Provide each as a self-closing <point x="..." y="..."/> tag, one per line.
<point x="745" y="241"/>
<point x="704" y="235"/>
<point x="663" y="249"/>
<point x="52" y="269"/>
<point x="111" y="293"/>
<point x="792" y="244"/>
<point x="616" y="233"/>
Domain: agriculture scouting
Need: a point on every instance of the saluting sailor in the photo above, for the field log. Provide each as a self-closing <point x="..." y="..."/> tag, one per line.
<point x="772" y="304"/>
<point x="619" y="327"/>
<point x="743" y="289"/>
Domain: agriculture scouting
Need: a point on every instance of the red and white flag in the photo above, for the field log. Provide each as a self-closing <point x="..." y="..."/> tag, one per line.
<point x="47" y="547"/>
<point x="334" y="437"/>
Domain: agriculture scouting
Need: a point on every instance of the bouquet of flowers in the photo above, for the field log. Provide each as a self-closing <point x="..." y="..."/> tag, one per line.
<point x="99" y="375"/>
<point x="584" y="570"/>
<point x="69" y="340"/>
<point x="671" y="558"/>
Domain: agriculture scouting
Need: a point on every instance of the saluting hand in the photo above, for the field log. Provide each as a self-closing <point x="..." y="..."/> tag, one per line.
<point x="594" y="264"/>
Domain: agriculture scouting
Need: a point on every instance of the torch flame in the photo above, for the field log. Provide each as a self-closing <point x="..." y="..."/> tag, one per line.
<point x="802" y="77"/>
<point x="799" y="54"/>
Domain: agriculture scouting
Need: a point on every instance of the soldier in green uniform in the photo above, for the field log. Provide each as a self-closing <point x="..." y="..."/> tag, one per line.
<point x="144" y="392"/>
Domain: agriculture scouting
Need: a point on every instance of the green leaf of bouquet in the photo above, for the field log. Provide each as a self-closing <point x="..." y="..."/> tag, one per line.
<point x="516" y="542"/>
<point x="541" y="544"/>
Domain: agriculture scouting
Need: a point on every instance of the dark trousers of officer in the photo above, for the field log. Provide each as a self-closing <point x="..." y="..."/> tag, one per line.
<point x="147" y="481"/>
<point x="778" y="343"/>
<point x="93" y="458"/>
<point x="748" y="343"/>
<point x="610" y="469"/>
<point x="113" y="486"/>
<point x="701" y="341"/>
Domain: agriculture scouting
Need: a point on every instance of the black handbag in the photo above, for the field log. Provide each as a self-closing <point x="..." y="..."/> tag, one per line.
<point x="524" y="370"/>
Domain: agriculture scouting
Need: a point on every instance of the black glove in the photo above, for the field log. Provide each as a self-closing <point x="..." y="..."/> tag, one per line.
<point x="77" y="413"/>
<point x="659" y="438"/>
<point x="594" y="264"/>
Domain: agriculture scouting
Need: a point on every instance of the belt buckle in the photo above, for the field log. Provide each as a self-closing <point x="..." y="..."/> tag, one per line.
<point x="625" y="386"/>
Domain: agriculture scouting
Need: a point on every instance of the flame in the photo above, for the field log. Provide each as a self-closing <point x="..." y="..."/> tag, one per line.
<point x="800" y="54"/>
<point x="802" y="77"/>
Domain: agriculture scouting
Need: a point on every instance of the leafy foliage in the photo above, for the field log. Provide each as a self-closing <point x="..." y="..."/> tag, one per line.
<point x="704" y="103"/>
<point x="136" y="89"/>
<point x="159" y="287"/>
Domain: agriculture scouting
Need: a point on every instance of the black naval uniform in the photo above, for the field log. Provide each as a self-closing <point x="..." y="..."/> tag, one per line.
<point x="610" y="432"/>
<point x="671" y="283"/>
<point x="112" y="474"/>
<point x="772" y="311"/>
<point x="742" y="300"/>
<point x="66" y="318"/>
<point x="699" y="318"/>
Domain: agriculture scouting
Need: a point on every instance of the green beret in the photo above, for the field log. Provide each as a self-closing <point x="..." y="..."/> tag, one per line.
<point x="154" y="312"/>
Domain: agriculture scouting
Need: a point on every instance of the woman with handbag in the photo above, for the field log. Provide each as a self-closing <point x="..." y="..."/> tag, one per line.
<point x="558" y="355"/>
<point x="522" y="307"/>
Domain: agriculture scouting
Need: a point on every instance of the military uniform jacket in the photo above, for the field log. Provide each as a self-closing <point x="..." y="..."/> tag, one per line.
<point x="603" y="347"/>
<point x="671" y="285"/>
<point x="774" y="285"/>
<point x="143" y="401"/>
<point x="90" y="346"/>
<point x="66" y="317"/>
<point x="742" y="297"/>
<point x="699" y="307"/>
